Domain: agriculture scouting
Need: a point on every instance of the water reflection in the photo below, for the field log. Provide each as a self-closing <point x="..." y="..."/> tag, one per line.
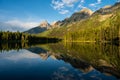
<point x="61" y="61"/>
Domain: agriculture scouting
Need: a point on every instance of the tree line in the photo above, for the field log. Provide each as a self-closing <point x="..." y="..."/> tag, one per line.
<point x="108" y="30"/>
<point x="24" y="37"/>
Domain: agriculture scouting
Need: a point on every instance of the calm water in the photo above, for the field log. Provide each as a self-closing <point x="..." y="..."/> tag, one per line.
<point x="69" y="61"/>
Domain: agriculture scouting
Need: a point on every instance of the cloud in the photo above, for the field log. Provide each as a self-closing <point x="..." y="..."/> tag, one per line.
<point x="99" y="1"/>
<point x="19" y="55"/>
<point x="64" y="11"/>
<point x="18" y="23"/>
<point x="82" y="1"/>
<point x="92" y="4"/>
<point x="69" y="3"/>
<point x="57" y="5"/>
<point x="96" y="4"/>
<point x="61" y="5"/>
<point x="118" y="0"/>
<point x="25" y="24"/>
<point x="81" y="4"/>
<point x="67" y="6"/>
<point x="63" y="69"/>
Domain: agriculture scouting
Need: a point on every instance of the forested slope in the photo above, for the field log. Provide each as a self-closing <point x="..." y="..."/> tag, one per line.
<point x="102" y="25"/>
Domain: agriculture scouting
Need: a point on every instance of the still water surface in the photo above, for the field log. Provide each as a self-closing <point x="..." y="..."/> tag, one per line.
<point x="59" y="62"/>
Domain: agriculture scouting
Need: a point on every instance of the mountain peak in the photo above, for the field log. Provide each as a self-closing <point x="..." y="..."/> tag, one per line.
<point x="86" y="10"/>
<point x="44" y="24"/>
<point x="54" y="22"/>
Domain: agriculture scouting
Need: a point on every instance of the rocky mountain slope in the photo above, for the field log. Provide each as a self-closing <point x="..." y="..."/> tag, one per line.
<point x="41" y="28"/>
<point x="77" y="16"/>
<point x="83" y="14"/>
<point x="101" y="25"/>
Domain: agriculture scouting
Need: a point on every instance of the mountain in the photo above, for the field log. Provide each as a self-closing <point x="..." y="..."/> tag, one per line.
<point x="83" y="14"/>
<point x="36" y="30"/>
<point x="8" y="27"/>
<point x="107" y="6"/>
<point x="102" y="25"/>
<point x="55" y="24"/>
<point x="44" y="25"/>
<point x="108" y="9"/>
<point x="77" y="16"/>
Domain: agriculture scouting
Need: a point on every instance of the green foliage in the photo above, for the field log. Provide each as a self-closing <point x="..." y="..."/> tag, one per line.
<point x="92" y="29"/>
<point x="107" y="30"/>
<point x="97" y="55"/>
<point x="12" y="36"/>
<point x="92" y="53"/>
<point x="23" y="37"/>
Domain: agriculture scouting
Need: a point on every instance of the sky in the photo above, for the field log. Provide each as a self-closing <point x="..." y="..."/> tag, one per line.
<point x="29" y="13"/>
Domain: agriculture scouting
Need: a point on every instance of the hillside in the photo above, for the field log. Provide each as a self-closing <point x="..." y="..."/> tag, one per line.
<point x="77" y="16"/>
<point x="36" y="30"/>
<point x="102" y="25"/>
<point x="44" y="25"/>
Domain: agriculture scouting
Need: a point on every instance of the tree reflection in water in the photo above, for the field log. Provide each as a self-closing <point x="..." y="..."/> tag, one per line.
<point x="85" y="57"/>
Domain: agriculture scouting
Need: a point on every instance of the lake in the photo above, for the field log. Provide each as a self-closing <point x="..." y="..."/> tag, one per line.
<point x="60" y="61"/>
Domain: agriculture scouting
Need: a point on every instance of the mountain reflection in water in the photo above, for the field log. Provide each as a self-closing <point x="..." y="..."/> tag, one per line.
<point x="69" y="61"/>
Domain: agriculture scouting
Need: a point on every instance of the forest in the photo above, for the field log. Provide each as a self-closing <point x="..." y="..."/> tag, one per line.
<point x="24" y="37"/>
<point x="97" y="28"/>
<point x="108" y="30"/>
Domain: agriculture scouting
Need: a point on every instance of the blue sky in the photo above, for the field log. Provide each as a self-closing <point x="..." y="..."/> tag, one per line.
<point x="28" y="13"/>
